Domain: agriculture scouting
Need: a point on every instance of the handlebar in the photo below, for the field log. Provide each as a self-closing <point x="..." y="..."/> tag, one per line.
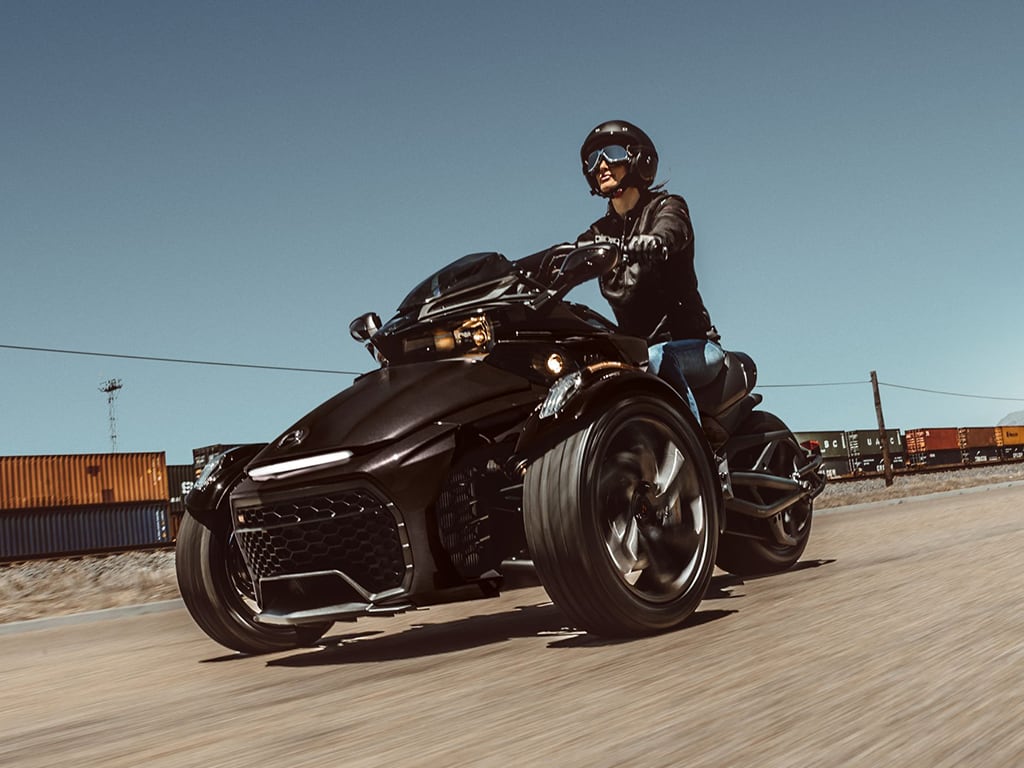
<point x="627" y="256"/>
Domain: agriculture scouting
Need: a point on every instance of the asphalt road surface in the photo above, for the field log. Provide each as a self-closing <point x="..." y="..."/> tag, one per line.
<point x="899" y="641"/>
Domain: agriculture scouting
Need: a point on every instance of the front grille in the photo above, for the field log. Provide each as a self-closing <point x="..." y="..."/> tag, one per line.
<point x="351" y="530"/>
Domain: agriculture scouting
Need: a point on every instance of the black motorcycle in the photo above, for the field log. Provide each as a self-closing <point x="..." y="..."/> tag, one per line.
<point x="506" y="428"/>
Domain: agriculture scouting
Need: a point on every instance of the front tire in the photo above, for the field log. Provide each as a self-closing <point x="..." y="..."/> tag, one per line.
<point x="217" y="592"/>
<point x="622" y="520"/>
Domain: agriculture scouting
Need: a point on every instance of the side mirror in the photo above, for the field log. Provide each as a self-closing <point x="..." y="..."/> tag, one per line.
<point x="585" y="263"/>
<point x="364" y="326"/>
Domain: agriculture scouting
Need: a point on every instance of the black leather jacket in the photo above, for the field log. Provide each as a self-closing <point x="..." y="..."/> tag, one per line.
<point x="656" y="300"/>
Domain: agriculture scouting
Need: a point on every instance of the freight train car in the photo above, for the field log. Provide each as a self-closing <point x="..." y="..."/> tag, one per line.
<point x="933" y="447"/>
<point x="980" y="445"/>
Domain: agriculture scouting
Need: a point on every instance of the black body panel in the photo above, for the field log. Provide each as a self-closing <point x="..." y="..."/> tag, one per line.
<point x="390" y="403"/>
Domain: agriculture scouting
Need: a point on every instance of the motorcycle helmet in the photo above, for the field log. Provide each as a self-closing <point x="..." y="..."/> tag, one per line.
<point x="624" y="142"/>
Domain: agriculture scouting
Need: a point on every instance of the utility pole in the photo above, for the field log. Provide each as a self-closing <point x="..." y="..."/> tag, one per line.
<point x="886" y="456"/>
<point x="111" y="387"/>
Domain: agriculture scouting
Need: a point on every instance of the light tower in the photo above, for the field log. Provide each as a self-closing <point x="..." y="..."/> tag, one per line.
<point x="111" y="387"/>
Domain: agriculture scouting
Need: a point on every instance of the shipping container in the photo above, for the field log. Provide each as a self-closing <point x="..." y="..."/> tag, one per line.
<point x="180" y="479"/>
<point x="832" y="444"/>
<point x="835" y="456"/>
<point x="82" y="530"/>
<point x="32" y="482"/>
<point x="868" y="442"/>
<point x="1013" y="442"/>
<point x="866" y="456"/>
<point x="1011" y="435"/>
<point x="979" y="437"/>
<point x="931" y="440"/>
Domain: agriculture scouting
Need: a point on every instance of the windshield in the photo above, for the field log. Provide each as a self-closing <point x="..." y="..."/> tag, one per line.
<point x="475" y="269"/>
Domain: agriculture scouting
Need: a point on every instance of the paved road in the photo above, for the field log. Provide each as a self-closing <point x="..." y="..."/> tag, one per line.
<point x="900" y="641"/>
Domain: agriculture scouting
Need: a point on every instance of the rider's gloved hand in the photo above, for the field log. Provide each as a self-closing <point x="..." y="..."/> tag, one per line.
<point x="648" y="247"/>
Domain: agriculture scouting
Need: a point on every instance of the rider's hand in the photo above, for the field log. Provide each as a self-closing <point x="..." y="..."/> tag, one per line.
<point x="647" y="247"/>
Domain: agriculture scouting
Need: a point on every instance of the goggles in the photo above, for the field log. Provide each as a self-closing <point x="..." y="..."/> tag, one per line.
<point x="612" y="154"/>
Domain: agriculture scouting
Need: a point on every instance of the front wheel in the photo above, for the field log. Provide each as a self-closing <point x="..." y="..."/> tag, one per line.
<point x="622" y="520"/>
<point x="217" y="591"/>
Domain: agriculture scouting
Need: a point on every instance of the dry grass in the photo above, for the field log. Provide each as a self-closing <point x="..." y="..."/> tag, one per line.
<point x="57" y="587"/>
<point x="839" y="494"/>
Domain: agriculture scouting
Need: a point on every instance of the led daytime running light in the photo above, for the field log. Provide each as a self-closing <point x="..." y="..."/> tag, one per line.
<point x="271" y="471"/>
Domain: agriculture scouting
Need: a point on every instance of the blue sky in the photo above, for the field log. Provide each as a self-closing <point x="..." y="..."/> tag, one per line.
<point x="234" y="181"/>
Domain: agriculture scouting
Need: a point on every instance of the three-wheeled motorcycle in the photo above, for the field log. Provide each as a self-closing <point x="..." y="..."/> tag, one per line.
<point x="505" y="428"/>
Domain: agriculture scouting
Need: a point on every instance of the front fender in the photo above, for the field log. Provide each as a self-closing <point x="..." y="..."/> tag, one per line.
<point x="599" y="390"/>
<point x="207" y="494"/>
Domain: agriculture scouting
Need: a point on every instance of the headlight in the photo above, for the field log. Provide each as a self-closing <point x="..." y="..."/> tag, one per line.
<point x="466" y="337"/>
<point x="554" y="364"/>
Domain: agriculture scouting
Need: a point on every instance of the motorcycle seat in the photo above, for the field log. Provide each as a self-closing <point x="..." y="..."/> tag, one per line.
<point x="735" y="379"/>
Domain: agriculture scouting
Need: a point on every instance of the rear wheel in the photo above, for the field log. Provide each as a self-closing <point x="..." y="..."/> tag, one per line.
<point x="217" y="590"/>
<point x="622" y="520"/>
<point x="755" y="546"/>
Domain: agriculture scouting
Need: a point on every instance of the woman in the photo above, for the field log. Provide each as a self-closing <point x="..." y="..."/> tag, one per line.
<point x="653" y="291"/>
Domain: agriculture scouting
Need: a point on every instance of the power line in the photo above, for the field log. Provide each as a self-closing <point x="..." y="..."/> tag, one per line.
<point x="950" y="394"/>
<point x="359" y="373"/>
<point x="177" y="360"/>
<point x="820" y="384"/>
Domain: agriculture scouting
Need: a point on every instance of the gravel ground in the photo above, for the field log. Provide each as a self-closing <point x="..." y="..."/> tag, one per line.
<point x="58" y="587"/>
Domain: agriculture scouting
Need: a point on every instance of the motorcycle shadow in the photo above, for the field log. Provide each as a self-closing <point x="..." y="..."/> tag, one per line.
<point x="542" y="619"/>
<point x="803" y="565"/>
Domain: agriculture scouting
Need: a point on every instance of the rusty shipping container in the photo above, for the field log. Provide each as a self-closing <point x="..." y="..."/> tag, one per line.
<point x="932" y="439"/>
<point x="979" y="437"/>
<point x="34" y="482"/>
<point x="933" y="447"/>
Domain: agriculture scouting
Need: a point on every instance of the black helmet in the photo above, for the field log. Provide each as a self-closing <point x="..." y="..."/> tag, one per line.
<point x="641" y="154"/>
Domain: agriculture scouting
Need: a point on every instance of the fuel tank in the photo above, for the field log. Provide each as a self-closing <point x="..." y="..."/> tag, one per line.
<point x="390" y="403"/>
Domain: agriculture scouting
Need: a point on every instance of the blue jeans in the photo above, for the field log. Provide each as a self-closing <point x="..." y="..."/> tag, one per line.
<point x="686" y="363"/>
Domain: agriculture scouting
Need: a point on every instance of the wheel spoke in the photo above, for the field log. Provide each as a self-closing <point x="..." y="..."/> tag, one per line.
<point x="669" y="469"/>
<point x="654" y="510"/>
<point x="623" y="545"/>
